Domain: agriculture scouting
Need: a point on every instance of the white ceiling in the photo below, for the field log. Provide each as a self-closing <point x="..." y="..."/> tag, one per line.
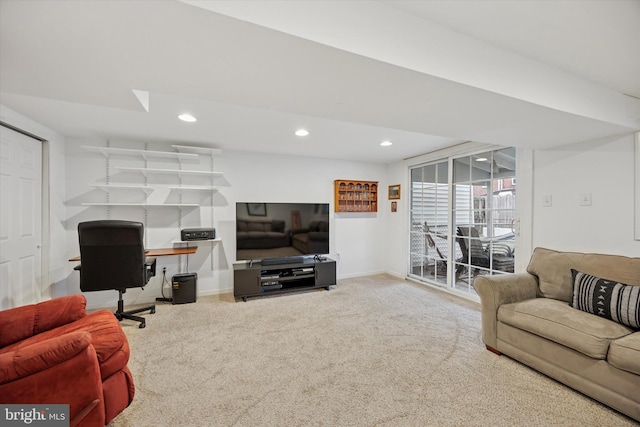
<point x="424" y="74"/>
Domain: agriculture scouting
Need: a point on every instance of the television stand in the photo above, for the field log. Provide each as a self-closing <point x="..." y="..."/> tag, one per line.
<point x="256" y="280"/>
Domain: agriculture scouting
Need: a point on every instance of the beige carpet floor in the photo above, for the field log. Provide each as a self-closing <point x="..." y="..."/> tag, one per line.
<point x="373" y="351"/>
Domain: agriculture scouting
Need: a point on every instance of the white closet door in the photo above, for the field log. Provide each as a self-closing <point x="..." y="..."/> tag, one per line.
<point x="20" y="219"/>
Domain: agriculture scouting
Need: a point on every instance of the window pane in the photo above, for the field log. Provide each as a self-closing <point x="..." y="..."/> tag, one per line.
<point x="481" y="166"/>
<point x="504" y="163"/>
<point x="443" y="173"/>
<point x="461" y="170"/>
<point x="429" y="174"/>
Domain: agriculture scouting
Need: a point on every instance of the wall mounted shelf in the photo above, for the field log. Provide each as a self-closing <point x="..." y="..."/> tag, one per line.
<point x="196" y="150"/>
<point x="181" y="242"/>
<point x="355" y="196"/>
<point x="145" y="205"/>
<point x="180" y="163"/>
<point x="106" y="187"/>
<point x="179" y="172"/>
<point x="193" y="187"/>
<point x="107" y="151"/>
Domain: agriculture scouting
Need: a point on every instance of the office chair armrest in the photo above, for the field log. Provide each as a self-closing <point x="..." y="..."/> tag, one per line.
<point x="150" y="266"/>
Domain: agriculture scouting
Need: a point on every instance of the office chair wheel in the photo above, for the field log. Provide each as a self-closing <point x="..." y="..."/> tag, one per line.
<point x="142" y="325"/>
<point x="153" y="310"/>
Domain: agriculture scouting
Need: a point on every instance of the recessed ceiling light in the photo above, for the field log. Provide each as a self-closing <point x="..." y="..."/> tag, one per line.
<point x="187" y="117"/>
<point x="386" y="143"/>
<point x="481" y="159"/>
<point x="302" y="132"/>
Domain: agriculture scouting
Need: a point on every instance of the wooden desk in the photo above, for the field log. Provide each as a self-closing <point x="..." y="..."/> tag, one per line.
<point x="159" y="252"/>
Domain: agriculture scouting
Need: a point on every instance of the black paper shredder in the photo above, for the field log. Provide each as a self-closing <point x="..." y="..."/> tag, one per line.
<point x="184" y="288"/>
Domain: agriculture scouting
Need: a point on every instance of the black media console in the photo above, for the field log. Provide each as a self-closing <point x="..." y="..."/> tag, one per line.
<point x="256" y="279"/>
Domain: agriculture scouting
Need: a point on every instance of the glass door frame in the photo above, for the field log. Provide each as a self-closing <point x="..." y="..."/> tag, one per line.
<point x="523" y="215"/>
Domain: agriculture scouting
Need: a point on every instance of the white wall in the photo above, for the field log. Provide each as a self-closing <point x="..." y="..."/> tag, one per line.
<point x="357" y="240"/>
<point x="603" y="168"/>
<point x="397" y="222"/>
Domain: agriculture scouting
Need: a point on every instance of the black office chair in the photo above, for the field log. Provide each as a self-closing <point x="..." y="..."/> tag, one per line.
<point x="112" y="256"/>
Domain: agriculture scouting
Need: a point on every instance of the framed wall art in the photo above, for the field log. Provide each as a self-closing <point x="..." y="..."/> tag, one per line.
<point x="394" y="192"/>
<point x="257" y="209"/>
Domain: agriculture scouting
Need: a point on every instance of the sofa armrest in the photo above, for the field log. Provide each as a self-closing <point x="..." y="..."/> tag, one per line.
<point x="501" y="289"/>
<point x="19" y="323"/>
<point x="41" y="355"/>
<point x="60" y="370"/>
<point x="320" y="236"/>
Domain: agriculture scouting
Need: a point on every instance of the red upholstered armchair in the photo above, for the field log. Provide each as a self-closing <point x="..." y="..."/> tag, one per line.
<point x="54" y="352"/>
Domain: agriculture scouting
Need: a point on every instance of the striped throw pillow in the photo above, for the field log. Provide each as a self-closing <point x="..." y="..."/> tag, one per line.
<point x="606" y="298"/>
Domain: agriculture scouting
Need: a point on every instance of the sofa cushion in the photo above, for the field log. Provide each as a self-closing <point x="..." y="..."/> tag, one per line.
<point x="258" y="226"/>
<point x="606" y="298"/>
<point x="318" y="235"/>
<point x="107" y="338"/>
<point x="322" y="226"/>
<point x="553" y="269"/>
<point x="25" y="321"/>
<point x="559" y="322"/>
<point x="624" y="353"/>
<point x="256" y="234"/>
<point x="277" y="225"/>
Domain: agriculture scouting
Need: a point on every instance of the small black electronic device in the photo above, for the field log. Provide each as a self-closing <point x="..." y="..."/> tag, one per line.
<point x="187" y="234"/>
<point x="282" y="260"/>
<point x="183" y="288"/>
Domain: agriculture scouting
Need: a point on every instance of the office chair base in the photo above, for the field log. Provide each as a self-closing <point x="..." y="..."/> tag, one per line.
<point x="129" y="314"/>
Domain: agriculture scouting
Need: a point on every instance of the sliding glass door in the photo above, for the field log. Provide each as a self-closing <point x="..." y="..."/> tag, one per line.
<point x="484" y="213"/>
<point x="429" y="239"/>
<point x="463" y="215"/>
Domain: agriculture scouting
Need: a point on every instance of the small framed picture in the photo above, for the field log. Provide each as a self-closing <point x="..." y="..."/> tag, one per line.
<point x="394" y="192"/>
<point x="394" y="206"/>
<point x="257" y="209"/>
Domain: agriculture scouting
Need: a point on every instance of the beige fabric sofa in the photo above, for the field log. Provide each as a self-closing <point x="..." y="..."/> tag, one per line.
<point x="529" y="317"/>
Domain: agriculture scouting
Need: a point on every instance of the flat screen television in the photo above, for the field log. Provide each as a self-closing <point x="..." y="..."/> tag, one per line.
<point x="276" y="230"/>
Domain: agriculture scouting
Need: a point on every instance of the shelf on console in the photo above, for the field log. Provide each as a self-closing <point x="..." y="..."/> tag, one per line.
<point x="291" y="278"/>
